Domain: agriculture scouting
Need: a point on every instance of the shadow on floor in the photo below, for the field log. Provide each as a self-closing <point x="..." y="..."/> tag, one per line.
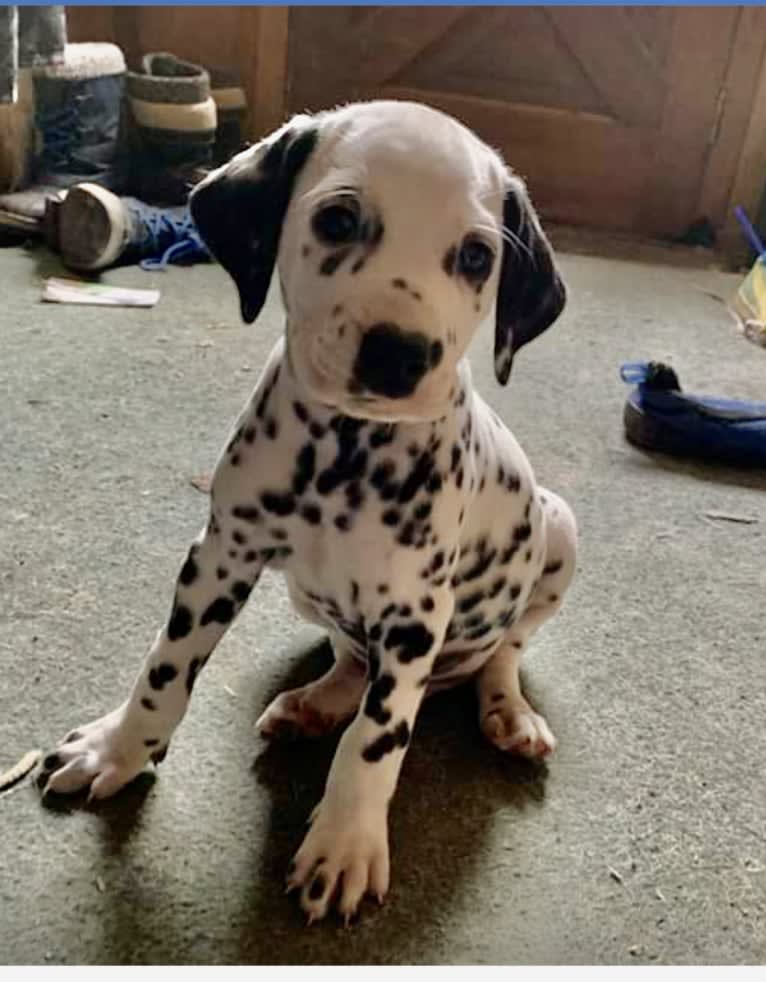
<point x="452" y="785"/>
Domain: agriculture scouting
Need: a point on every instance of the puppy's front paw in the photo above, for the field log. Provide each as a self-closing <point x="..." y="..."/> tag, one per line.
<point x="517" y="728"/>
<point x="104" y="755"/>
<point x="343" y="857"/>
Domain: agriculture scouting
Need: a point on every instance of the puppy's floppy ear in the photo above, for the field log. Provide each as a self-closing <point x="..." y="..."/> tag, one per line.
<point x="530" y="293"/>
<point x="239" y="208"/>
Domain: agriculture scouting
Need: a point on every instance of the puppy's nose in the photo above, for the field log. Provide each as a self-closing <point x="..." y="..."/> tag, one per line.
<point x="390" y="361"/>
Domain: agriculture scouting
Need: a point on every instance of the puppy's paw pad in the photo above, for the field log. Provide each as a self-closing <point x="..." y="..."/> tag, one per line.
<point x="342" y="859"/>
<point x="519" y="730"/>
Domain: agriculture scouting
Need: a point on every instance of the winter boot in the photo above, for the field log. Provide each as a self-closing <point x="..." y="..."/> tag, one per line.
<point x="96" y="229"/>
<point x="231" y="105"/>
<point x="174" y="126"/>
<point x="78" y="105"/>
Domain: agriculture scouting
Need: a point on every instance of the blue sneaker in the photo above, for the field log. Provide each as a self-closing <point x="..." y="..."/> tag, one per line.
<point x="95" y="229"/>
<point x="659" y="416"/>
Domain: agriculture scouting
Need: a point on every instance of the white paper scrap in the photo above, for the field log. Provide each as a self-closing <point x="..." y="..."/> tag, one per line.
<point x="57" y="290"/>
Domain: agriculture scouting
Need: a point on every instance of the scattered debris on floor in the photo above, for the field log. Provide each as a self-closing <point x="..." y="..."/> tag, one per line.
<point x="201" y="482"/>
<point x="723" y="516"/>
<point x="60" y="290"/>
<point x="20" y="770"/>
<point x="100" y="885"/>
<point x="617" y="877"/>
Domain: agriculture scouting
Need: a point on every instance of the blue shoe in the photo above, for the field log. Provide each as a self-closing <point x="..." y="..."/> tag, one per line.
<point x="659" y="416"/>
<point x="95" y="229"/>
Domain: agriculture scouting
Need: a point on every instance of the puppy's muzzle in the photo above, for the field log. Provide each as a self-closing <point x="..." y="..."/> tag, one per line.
<point x="391" y="362"/>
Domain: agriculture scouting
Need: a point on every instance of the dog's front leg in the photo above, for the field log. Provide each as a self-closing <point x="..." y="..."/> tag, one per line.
<point x="109" y="752"/>
<point x="345" y="851"/>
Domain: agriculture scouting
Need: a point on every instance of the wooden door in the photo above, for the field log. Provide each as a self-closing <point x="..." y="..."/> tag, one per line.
<point x="610" y="113"/>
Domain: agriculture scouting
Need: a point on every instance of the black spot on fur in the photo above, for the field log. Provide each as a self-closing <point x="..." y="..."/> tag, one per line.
<point x="469" y="602"/>
<point x="272" y="429"/>
<point x="250" y="434"/>
<point x="427" y="603"/>
<point x="221" y="610"/>
<point x="423" y="511"/>
<point x="416" y="478"/>
<point x="301" y="412"/>
<point x="304" y="468"/>
<point x="161" y="674"/>
<point x="316" y="430"/>
<point x="373" y="660"/>
<point x="399" y="283"/>
<point x="148" y="704"/>
<point x="241" y="591"/>
<point x="378" y="692"/>
<point x="413" y="641"/>
<point x="450" y="258"/>
<point x="195" y="666"/>
<point x="239" y="537"/>
<point x="387" y="742"/>
<point x="482" y="564"/>
<point x="222" y="572"/>
<point x="354" y="495"/>
<point x="278" y="504"/>
<point x="151" y="743"/>
<point x="435" y="353"/>
<point x="552" y="568"/>
<point x="180" y="623"/>
<point x="434" y="482"/>
<point x="391" y="516"/>
<point x="342" y="522"/>
<point x="330" y="263"/>
<point x="312" y="514"/>
<point x="382" y="588"/>
<point x="496" y="587"/>
<point x="189" y="570"/>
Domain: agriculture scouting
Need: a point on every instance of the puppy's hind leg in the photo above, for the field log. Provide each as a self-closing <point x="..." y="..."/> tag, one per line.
<point x="320" y="706"/>
<point x="505" y="716"/>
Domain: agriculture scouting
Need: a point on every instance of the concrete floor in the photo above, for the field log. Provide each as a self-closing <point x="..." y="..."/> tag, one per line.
<point x="644" y="840"/>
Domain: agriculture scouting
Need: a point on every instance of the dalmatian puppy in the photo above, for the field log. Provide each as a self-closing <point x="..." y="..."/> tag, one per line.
<point x="404" y="514"/>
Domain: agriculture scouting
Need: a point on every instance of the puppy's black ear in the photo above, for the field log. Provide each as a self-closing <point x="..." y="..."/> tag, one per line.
<point x="530" y="293"/>
<point x="239" y="209"/>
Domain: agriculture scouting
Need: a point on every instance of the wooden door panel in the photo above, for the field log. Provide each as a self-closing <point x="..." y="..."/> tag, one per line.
<point x="608" y="112"/>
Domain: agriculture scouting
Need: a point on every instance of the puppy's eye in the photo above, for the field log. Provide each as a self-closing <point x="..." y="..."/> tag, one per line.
<point x="337" y="224"/>
<point x="475" y="259"/>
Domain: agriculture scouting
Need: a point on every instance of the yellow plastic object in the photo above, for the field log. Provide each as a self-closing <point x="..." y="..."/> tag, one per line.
<point x="750" y="302"/>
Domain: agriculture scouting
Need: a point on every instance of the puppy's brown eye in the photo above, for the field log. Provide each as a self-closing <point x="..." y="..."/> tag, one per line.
<point x="475" y="259"/>
<point x="336" y="224"/>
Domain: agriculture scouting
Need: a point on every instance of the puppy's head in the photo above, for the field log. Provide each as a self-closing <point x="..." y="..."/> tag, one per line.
<point x="394" y="230"/>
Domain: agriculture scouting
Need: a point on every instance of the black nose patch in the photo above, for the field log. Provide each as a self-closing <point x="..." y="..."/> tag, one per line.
<point x="391" y="362"/>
